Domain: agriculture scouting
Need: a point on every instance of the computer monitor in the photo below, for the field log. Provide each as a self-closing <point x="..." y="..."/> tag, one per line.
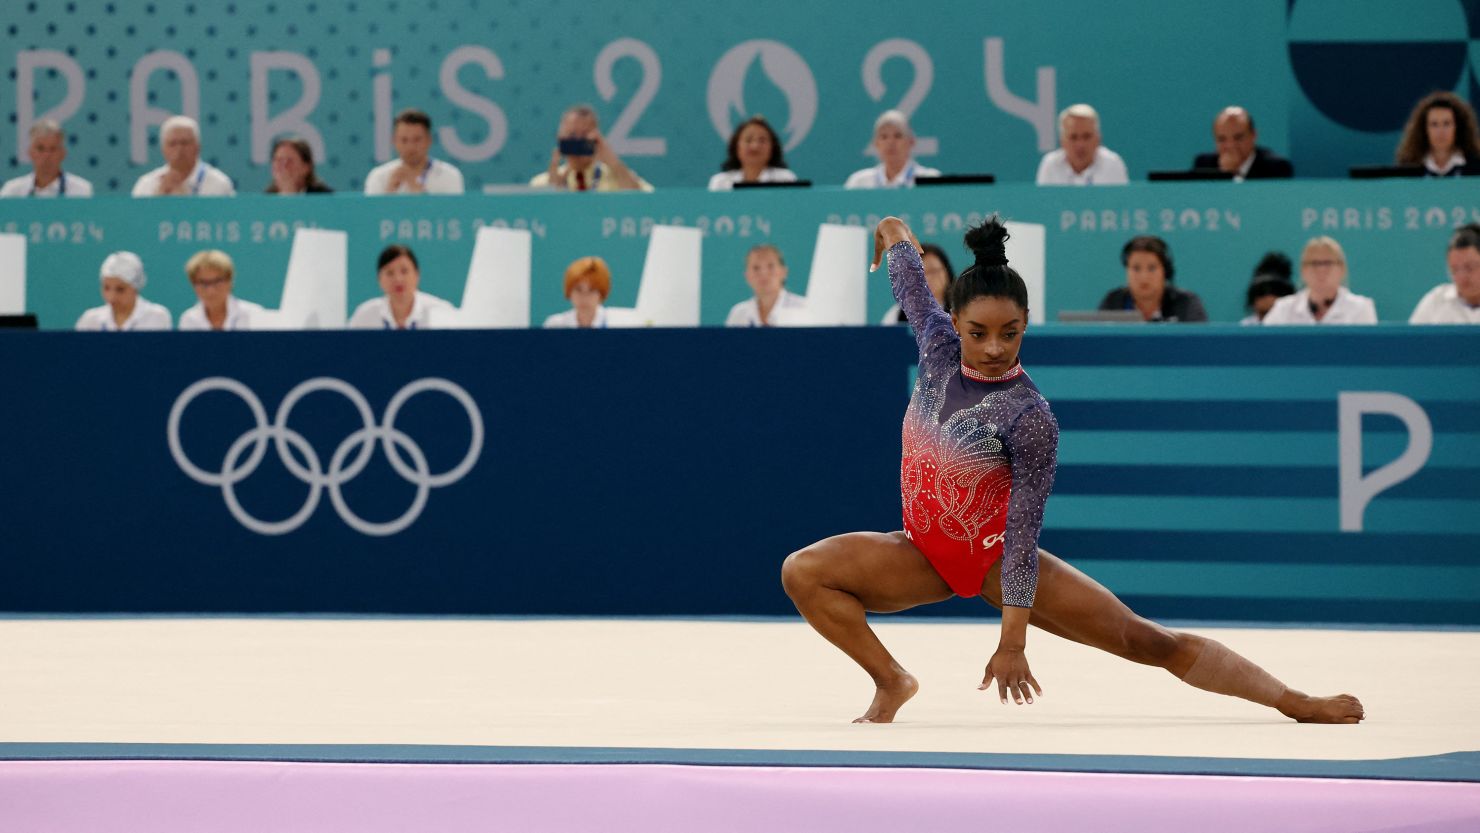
<point x="1100" y="316"/>
<point x="1193" y="175"/>
<point x="1386" y="171"/>
<point x="23" y="321"/>
<point x="800" y="183"/>
<point x="956" y="179"/>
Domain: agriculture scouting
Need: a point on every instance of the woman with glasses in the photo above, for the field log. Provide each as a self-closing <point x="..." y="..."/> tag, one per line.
<point x="210" y="273"/>
<point x="1325" y="298"/>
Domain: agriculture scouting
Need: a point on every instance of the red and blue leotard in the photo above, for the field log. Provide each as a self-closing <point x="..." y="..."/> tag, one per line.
<point x="979" y="454"/>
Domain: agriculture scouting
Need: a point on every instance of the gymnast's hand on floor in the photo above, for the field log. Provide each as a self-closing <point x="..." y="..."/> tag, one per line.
<point x="891" y="230"/>
<point x="1010" y="668"/>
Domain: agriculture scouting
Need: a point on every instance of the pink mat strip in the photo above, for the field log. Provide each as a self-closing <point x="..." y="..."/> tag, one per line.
<point x="253" y="796"/>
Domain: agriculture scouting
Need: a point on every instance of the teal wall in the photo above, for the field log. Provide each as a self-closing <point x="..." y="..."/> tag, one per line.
<point x="1394" y="233"/>
<point x="1328" y="80"/>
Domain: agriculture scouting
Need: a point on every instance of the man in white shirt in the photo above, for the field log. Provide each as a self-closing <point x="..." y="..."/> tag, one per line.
<point x="1456" y="302"/>
<point x="894" y="142"/>
<point x="583" y="160"/>
<point x="47" y="179"/>
<point x="183" y="173"/>
<point x="1081" y="159"/>
<point x="414" y="171"/>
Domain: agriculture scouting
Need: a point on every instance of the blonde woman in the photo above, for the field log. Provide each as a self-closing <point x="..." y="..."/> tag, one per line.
<point x="1324" y="298"/>
<point x="211" y="273"/>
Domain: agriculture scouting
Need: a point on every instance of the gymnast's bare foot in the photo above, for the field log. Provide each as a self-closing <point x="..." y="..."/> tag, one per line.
<point x="888" y="697"/>
<point x="1343" y="708"/>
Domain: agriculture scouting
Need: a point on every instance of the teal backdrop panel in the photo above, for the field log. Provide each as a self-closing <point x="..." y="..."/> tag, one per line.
<point x="1394" y="234"/>
<point x="1329" y="81"/>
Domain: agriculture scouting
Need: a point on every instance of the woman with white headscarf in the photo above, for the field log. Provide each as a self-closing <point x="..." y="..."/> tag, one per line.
<point x="122" y="276"/>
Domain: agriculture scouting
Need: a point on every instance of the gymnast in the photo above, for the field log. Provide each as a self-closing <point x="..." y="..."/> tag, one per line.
<point x="980" y="448"/>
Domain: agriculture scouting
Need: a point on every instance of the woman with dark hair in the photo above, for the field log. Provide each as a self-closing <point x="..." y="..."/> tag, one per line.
<point x="1270" y="283"/>
<point x="753" y="155"/>
<point x="403" y="306"/>
<point x="1440" y="136"/>
<point x="980" y="449"/>
<point x="292" y="169"/>
<point x="938" y="274"/>
<point x="1148" y="284"/>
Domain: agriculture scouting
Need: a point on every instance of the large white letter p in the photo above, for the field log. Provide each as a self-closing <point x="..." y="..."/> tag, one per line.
<point x="1357" y="491"/>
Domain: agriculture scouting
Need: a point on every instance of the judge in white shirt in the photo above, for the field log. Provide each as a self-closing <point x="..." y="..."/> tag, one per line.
<point x="1458" y="301"/>
<point x="588" y="282"/>
<point x="772" y="305"/>
<point x="124" y="310"/>
<point x="754" y="154"/>
<point x="1325" y="299"/>
<point x="48" y="149"/>
<point x="403" y="306"/>
<point x="413" y="171"/>
<point x="894" y="142"/>
<point x="1081" y="158"/>
<point x="211" y="273"/>
<point x="183" y="174"/>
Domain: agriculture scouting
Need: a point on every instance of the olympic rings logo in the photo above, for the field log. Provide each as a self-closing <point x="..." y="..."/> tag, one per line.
<point x="253" y="446"/>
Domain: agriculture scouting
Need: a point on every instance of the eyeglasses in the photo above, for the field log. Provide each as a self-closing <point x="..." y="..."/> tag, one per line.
<point x="1320" y="264"/>
<point x="207" y="283"/>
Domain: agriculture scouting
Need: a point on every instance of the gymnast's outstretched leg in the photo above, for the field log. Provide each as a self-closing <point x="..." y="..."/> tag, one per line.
<point x="1074" y="606"/>
<point x="836" y="580"/>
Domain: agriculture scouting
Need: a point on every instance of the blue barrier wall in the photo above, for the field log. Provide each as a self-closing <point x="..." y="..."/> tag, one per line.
<point x="1329" y="81"/>
<point x="670" y="472"/>
<point x="1394" y="234"/>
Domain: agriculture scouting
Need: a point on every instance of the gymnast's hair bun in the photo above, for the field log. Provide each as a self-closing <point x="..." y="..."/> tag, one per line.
<point x="988" y="242"/>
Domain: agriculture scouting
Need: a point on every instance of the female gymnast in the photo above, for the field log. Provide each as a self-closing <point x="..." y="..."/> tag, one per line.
<point x="980" y="448"/>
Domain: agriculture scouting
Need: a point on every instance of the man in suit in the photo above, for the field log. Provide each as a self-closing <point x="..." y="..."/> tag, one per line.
<point x="1233" y="131"/>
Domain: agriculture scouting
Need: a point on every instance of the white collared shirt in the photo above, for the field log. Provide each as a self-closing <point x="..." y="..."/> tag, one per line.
<point x="238" y="315"/>
<point x="790" y="308"/>
<point x="1442" y="305"/>
<point x="1456" y="160"/>
<point x="875" y="178"/>
<point x="1106" y="169"/>
<point x="65" y="185"/>
<point x="375" y="314"/>
<point x="204" y="181"/>
<point x="438" y="178"/>
<point x="147" y="315"/>
<point x="725" y="180"/>
<point x="567" y="320"/>
<point x="1348" y="308"/>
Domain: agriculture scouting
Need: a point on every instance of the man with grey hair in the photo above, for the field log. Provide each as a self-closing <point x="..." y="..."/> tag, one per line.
<point x="583" y="161"/>
<point x="47" y="179"/>
<point x="183" y="173"/>
<point x="894" y="142"/>
<point x="1080" y="158"/>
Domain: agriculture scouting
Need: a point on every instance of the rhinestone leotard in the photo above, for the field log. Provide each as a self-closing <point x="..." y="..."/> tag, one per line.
<point x="979" y="453"/>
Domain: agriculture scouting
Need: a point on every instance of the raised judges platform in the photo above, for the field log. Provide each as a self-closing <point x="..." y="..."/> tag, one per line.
<point x="1394" y="233"/>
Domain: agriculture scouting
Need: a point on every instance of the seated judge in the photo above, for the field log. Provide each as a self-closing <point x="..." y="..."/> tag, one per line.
<point x="1148" y="285"/>
<point x="1239" y="152"/>
<point x="588" y="282"/>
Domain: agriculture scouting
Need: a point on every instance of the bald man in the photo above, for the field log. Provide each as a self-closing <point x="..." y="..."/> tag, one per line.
<point x="1238" y="151"/>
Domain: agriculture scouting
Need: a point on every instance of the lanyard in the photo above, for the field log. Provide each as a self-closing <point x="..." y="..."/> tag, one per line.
<point x="61" y="184"/>
<point x="199" y="178"/>
<point x="425" y="171"/>
<point x="907" y="178"/>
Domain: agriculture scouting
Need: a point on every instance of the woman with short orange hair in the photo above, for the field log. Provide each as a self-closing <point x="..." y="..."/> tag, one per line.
<point x="587" y="283"/>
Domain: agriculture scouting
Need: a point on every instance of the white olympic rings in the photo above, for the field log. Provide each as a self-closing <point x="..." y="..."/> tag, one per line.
<point x="235" y="469"/>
